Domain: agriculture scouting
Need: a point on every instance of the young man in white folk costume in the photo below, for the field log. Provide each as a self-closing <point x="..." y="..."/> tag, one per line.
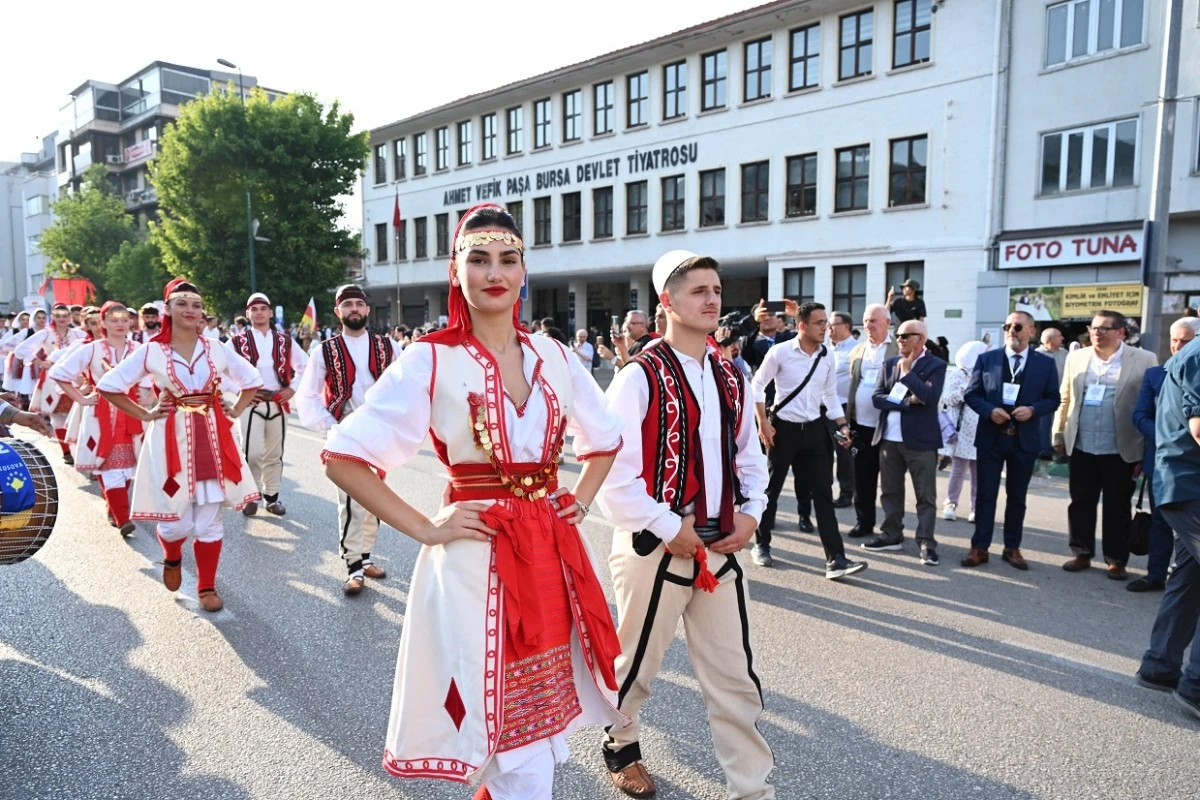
<point x="335" y="382"/>
<point x="190" y="465"/>
<point x="107" y="440"/>
<point x="48" y="398"/>
<point x="686" y="494"/>
<point x="280" y="363"/>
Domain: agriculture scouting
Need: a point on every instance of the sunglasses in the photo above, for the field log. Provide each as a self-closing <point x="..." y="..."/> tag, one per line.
<point x="906" y="335"/>
<point x="1015" y="327"/>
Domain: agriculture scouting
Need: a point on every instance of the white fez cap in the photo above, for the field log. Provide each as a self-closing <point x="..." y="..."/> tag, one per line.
<point x="665" y="267"/>
<point x="258" y="297"/>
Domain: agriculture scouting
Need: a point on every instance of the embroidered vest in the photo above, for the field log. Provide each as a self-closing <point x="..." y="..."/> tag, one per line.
<point x="245" y="346"/>
<point x="672" y="467"/>
<point x="340" y="371"/>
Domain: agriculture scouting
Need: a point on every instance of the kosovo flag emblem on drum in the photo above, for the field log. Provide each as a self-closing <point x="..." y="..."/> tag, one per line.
<point x="28" y="500"/>
<point x="16" y="490"/>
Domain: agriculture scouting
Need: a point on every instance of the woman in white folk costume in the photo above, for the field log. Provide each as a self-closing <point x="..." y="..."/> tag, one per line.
<point x="16" y="378"/>
<point x="92" y="331"/>
<point x="190" y="465"/>
<point x="108" y="439"/>
<point x="47" y="398"/>
<point x="509" y="643"/>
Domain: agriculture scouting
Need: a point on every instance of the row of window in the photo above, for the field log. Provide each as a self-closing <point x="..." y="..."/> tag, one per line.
<point x="850" y="293"/>
<point x="906" y="187"/>
<point x="1080" y="28"/>
<point x="911" y="28"/>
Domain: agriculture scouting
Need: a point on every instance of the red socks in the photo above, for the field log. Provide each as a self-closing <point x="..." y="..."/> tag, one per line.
<point x="118" y="504"/>
<point x="61" y="434"/>
<point x="172" y="551"/>
<point x="208" y="554"/>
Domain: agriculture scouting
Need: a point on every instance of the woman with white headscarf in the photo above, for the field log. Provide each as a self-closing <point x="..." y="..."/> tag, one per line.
<point x="962" y="447"/>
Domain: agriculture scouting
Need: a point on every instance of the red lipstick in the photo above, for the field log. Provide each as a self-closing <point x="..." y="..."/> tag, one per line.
<point x="496" y="291"/>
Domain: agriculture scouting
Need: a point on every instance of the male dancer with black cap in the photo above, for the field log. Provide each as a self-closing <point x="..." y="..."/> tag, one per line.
<point x="689" y="484"/>
<point x="280" y="362"/>
<point x="334" y="384"/>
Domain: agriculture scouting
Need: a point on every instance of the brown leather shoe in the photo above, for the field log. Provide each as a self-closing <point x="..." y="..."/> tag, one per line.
<point x="172" y="575"/>
<point x="210" y="601"/>
<point x="1015" y="558"/>
<point x="1117" y="572"/>
<point x="250" y="509"/>
<point x="352" y="587"/>
<point x="277" y="508"/>
<point x="374" y="571"/>
<point x="1078" y="564"/>
<point x="634" y="781"/>
<point x="974" y="557"/>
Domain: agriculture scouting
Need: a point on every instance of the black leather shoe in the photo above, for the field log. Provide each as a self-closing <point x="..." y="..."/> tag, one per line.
<point x="1146" y="585"/>
<point x="858" y="531"/>
<point x="843" y="502"/>
<point x="806" y="525"/>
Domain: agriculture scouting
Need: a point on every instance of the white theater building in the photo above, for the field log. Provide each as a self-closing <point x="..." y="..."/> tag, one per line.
<point x="819" y="149"/>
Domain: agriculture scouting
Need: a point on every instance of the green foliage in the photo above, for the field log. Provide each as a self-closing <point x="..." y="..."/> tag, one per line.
<point x="90" y="227"/>
<point x="136" y="274"/>
<point x="295" y="157"/>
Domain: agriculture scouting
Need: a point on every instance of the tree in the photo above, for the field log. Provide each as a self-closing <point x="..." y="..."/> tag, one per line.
<point x="295" y="157"/>
<point x="90" y="226"/>
<point x="136" y="274"/>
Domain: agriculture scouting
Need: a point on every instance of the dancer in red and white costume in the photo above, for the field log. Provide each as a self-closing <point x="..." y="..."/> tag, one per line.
<point x="48" y="398"/>
<point x="108" y="439"/>
<point x="16" y="378"/>
<point x="509" y="644"/>
<point x="92" y="329"/>
<point x="190" y="465"/>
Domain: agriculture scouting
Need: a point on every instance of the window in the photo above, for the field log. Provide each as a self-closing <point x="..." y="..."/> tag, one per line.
<point x="572" y="211"/>
<point x="488" y="124"/>
<point x="637" y="103"/>
<point x="464" y="143"/>
<point x="381" y="151"/>
<point x="420" y="157"/>
<point x="712" y="198"/>
<point x="805" y="58"/>
<point x="756" y="191"/>
<point x="712" y="78"/>
<point x="854" y="51"/>
<point x="673" y="203"/>
<point x="906" y="175"/>
<point x="400" y="154"/>
<point x="675" y="90"/>
<point x="443" y="234"/>
<point x="910" y="37"/>
<point x="897" y="272"/>
<point x="850" y="289"/>
<point x="602" y="108"/>
<point x="637" y="201"/>
<point x="1096" y="157"/>
<point x="602" y="213"/>
<point x="421" y="235"/>
<point x="515" y="122"/>
<point x="853" y="177"/>
<point x="541" y="220"/>
<point x="517" y="209"/>
<point x="442" y="156"/>
<point x="381" y="237"/>
<point x="402" y="241"/>
<point x="757" y="64"/>
<point x="38" y="204"/>
<point x="1081" y="28"/>
<point x="798" y="284"/>
<point x="572" y="116"/>
<point x="541" y="123"/>
<point x="33" y="245"/>
<point x="801" y="185"/>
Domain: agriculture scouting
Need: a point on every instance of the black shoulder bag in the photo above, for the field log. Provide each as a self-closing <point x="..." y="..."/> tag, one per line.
<point x="1139" y="526"/>
<point x="773" y="415"/>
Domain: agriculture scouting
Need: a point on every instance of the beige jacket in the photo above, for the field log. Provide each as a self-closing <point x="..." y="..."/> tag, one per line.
<point x="1134" y="363"/>
<point x="856" y="357"/>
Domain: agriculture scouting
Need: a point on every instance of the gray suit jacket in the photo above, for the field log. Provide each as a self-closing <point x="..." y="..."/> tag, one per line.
<point x="856" y="357"/>
<point x="1134" y="363"/>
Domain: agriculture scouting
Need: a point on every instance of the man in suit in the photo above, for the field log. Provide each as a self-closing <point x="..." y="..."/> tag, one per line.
<point x="909" y="435"/>
<point x="1162" y="539"/>
<point x="1094" y="426"/>
<point x="1011" y="390"/>
<point x="866" y="362"/>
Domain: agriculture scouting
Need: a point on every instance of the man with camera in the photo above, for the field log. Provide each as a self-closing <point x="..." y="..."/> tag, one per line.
<point x="628" y="340"/>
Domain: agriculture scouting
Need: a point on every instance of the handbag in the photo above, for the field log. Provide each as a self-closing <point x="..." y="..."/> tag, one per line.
<point x="1139" y="526"/>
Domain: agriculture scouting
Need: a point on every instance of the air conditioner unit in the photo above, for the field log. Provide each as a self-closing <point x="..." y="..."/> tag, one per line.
<point x="114" y="159"/>
<point x="134" y="196"/>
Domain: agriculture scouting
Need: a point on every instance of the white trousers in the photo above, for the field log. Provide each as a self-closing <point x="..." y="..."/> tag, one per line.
<point x="532" y="779"/>
<point x="264" y="428"/>
<point x="358" y="530"/>
<point x="115" y="478"/>
<point x="202" y="520"/>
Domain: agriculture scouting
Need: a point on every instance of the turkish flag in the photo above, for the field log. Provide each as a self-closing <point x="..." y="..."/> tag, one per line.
<point x="396" y="213"/>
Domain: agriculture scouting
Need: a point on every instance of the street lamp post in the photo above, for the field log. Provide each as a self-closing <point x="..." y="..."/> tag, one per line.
<point x="245" y="174"/>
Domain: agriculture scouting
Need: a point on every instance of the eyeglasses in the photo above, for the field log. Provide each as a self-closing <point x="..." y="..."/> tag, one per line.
<point x="1100" y="328"/>
<point x="906" y="335"/>
<point x="1015" y="327"/>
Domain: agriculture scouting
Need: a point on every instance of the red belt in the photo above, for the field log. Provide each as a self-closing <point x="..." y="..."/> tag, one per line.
<point x="199" y="403"/>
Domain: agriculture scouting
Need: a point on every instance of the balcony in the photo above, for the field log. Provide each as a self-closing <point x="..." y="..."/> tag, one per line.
<point x="138" y="198"/>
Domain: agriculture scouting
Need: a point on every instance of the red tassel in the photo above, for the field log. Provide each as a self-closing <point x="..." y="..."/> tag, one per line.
<point x="705" y="581"/>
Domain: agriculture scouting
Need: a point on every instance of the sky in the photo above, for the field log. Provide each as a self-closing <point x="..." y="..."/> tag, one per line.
<point x="382" y="61"/>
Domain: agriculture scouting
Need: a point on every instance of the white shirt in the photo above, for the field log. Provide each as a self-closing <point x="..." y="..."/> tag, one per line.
<point x="46" y="339"/>
<point x="310" y="397"/>
<point x="212" y="333"/>
<point x="264" y="345"/>
<point x="623" y="496"/>
<point x="585" y="351"/>
<point x="841" y="359"/>
<point x="893" y="431"/>
<point x="1105" y="372"/>
<point x="1009" y="353"/>
<point x="865" y="412"/>
<point x="787" y="364"/>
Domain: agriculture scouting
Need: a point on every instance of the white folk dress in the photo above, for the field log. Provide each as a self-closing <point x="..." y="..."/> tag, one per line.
<point x="88" y="364"/>
<point x="47" y="394"/>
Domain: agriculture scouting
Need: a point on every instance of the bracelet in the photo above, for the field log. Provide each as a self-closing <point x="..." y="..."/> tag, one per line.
<point x="583" y="507"/>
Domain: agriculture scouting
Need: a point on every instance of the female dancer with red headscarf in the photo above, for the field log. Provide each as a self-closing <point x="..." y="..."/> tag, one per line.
<point x="107" y="440"/>
<point x="47" y="398"/>
<point x="509" y="643"/>
<point x="190" y="464"/>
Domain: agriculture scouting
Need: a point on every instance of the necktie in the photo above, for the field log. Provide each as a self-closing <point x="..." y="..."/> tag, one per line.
<point x="1016" y="365"/>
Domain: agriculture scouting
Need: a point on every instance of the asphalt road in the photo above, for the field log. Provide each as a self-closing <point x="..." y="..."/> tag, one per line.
<point x="907" y="682"/>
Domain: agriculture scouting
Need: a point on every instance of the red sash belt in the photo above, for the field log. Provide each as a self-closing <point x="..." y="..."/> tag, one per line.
<point x="120" y="430"/>
<point x="200" y="403"/>
<point x="517" y="521"/>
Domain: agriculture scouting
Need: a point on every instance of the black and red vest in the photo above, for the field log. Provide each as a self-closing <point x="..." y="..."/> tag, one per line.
<point x="340" y="371"/>
<point x="672" y="466"/>
<point x="281" y="353"/>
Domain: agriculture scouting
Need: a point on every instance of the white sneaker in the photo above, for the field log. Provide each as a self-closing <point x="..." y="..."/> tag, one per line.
<point x="971" y="518"/>
<point x="949" y="511"/>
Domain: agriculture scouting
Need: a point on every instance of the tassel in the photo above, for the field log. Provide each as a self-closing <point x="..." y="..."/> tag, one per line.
<point x="705" y="580"/>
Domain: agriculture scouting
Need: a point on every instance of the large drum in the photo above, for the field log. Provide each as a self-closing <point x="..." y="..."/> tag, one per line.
<point x="28" y="500"/>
